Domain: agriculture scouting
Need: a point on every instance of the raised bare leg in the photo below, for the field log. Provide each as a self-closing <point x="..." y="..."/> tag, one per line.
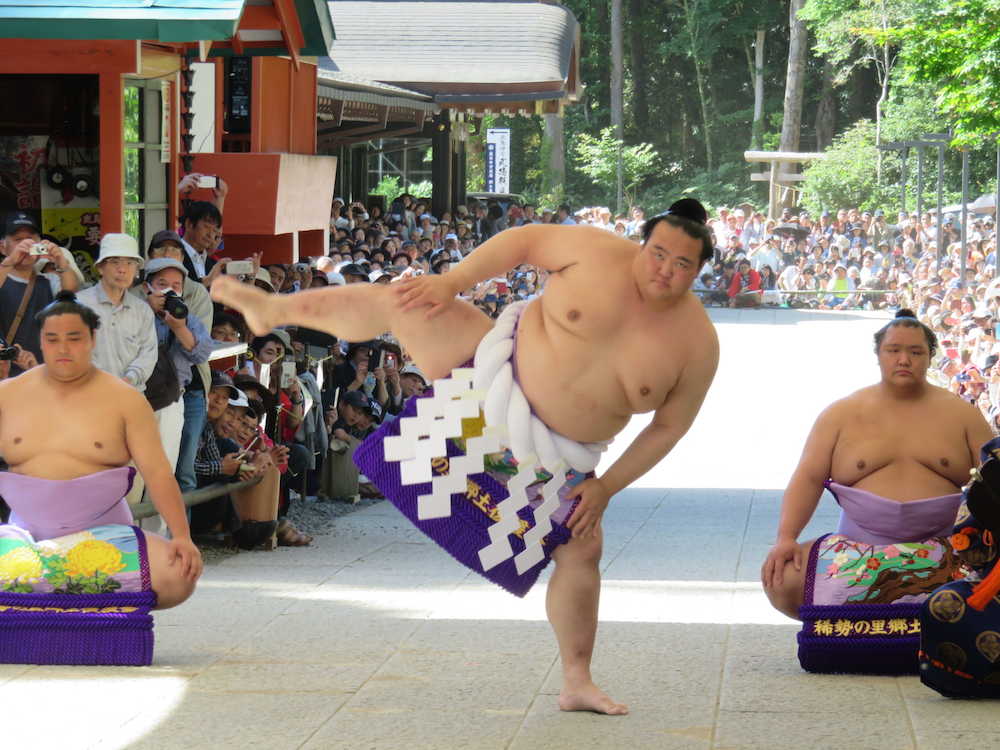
<point x="788" y="596"/>
<point x="359" y="312"/>
<point x="571" y="603"/>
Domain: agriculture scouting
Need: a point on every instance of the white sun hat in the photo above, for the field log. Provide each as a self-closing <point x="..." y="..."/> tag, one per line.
<point x="118" y="245"/>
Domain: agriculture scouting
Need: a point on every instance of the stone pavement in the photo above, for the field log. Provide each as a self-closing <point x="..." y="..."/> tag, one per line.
<point x="375" y="638"/>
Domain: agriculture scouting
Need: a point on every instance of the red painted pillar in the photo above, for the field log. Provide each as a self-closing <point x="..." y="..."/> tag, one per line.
<point x="112" y="108"/>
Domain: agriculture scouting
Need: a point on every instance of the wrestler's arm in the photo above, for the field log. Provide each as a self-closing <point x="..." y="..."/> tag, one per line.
<point x="802" y="494"/>
<point x="977" y="432"/>
<point x="806" y="485"/>
<point x="142" y="438"/>
<point x="551" y="247"/>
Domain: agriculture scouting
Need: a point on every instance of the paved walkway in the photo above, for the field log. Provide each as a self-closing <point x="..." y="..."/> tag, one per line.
<point x="374" y="638"/>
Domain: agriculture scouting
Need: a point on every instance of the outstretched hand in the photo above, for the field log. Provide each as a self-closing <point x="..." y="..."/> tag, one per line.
<point x="183" y="552"/>
<point x="430" y="291"/>
<point x="594" y="499"/>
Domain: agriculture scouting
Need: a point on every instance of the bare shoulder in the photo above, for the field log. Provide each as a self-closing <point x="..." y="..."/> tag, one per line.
<point x="14" y="388"/>
<point x="946" y="401"/>
<point x="700" y="331"/>
<point x="847" y="407"/>
<point x="117" y="392"/>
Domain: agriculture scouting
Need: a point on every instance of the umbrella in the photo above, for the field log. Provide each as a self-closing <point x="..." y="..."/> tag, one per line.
<point x="791" y="229"/>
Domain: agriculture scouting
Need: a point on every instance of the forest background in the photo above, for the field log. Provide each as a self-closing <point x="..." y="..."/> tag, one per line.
<point x="704" y="80"/>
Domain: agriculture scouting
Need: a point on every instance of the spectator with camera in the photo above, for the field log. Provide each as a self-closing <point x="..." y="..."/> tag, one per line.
<point x="168" y="244"/>
<point x="202" y="223"/>
<point x="126" y="344"/>
<point x="182" y="339"/>
<point x="23" y="291"/>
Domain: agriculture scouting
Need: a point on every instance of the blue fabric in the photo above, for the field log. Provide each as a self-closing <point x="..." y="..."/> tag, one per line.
<point x="195" y="417"/>
<point x="182" y="358"/>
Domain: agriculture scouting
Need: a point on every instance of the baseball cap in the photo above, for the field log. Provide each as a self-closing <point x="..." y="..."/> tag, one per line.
<point x="412" y="369"/>
<point x="361" y="402"/>
<point x="378" y="275"/>
<point x="20" y="219"/>
<point x="163" y="236"/>
<point x="158" y="264"/>
<point x="353" y="269"/>
<point x="240" y="399"/>
<point x="263" y="280"/>
<point x="222" y="380"/>
<point x="335" y="279"/>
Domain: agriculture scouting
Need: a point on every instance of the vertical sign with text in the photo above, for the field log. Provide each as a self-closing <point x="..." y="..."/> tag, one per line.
<point x="498" y="160"/>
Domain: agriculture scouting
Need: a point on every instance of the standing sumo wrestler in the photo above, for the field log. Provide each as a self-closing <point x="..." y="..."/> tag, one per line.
<point x="549" y="406"/>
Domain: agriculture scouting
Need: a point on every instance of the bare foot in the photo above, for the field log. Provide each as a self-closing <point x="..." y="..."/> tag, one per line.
<point x="253" y="303"/>
<point x="589" y="697"/>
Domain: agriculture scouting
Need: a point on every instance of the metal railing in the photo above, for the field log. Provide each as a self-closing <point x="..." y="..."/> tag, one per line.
<point x="146" y="509"/>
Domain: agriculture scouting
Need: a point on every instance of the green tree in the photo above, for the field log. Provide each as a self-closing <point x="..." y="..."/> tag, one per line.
<point x="956" y="48"/>
<point x="598" y="159"/>
<point x="847" y="176"/>
<point x="859" y="33"/>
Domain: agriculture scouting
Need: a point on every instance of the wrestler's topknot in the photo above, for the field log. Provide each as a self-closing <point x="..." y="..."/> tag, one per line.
<point x="907" y="319"/>
<point x="689" y="215"/>
<point x="65" y="304"/>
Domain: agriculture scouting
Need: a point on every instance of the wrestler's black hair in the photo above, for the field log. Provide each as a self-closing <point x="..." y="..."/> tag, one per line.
<point x="907" y="319"/>
<point x="65" y="304"/>
<point x="689" y="215"/>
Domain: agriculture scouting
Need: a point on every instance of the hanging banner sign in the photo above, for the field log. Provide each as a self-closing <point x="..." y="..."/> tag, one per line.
<point x="498" y="160"/>
<point x="166" y="118"/>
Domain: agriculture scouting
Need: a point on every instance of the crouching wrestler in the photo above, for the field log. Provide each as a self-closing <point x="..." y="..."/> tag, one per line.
<point x="894" y="455"/>
<point x="68" y="431"/>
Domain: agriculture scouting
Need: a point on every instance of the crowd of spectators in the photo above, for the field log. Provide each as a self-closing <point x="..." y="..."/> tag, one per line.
<point x="281" y="421"/>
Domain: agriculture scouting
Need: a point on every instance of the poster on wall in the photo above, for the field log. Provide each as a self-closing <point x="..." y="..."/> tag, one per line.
<point x="69" y="209"/>
<point x="22" y="161"/>
<point x="71" y="213"/>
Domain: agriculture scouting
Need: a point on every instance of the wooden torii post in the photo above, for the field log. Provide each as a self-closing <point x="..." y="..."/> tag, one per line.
<point x="776" y="179"/>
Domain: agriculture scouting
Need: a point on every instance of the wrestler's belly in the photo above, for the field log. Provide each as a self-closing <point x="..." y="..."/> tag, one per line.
<point x="570" y="397"/>
<point x="903" y="480"/>
<point x="60" y="466"/>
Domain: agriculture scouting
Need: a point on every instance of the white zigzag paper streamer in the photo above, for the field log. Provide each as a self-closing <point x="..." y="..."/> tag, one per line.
<point x="499" y="548"/>
<point x="424" y="436"/>
<point x="488" y="389"/>
<point x="532" y="554"/>
<point x="438" y="503"/>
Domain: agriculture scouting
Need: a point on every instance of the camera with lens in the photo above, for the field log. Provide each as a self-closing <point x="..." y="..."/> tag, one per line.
<point x="174" y="305"/>
<point x="7" y="353"/>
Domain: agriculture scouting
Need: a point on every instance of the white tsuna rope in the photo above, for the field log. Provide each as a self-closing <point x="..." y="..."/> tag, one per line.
<point x="491" y="387"/>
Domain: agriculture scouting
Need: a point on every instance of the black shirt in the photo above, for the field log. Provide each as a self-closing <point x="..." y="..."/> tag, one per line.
<point x="29" y="332"/>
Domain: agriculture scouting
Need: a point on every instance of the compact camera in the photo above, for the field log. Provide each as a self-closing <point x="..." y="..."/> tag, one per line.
<point x="208" y="181"/>
<point x="288" y="370"/>
<point x="7" y="353"/>
<point x="38" y="249"/>
<point x="239" y="268"/>
<point x="174" y="305"/>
